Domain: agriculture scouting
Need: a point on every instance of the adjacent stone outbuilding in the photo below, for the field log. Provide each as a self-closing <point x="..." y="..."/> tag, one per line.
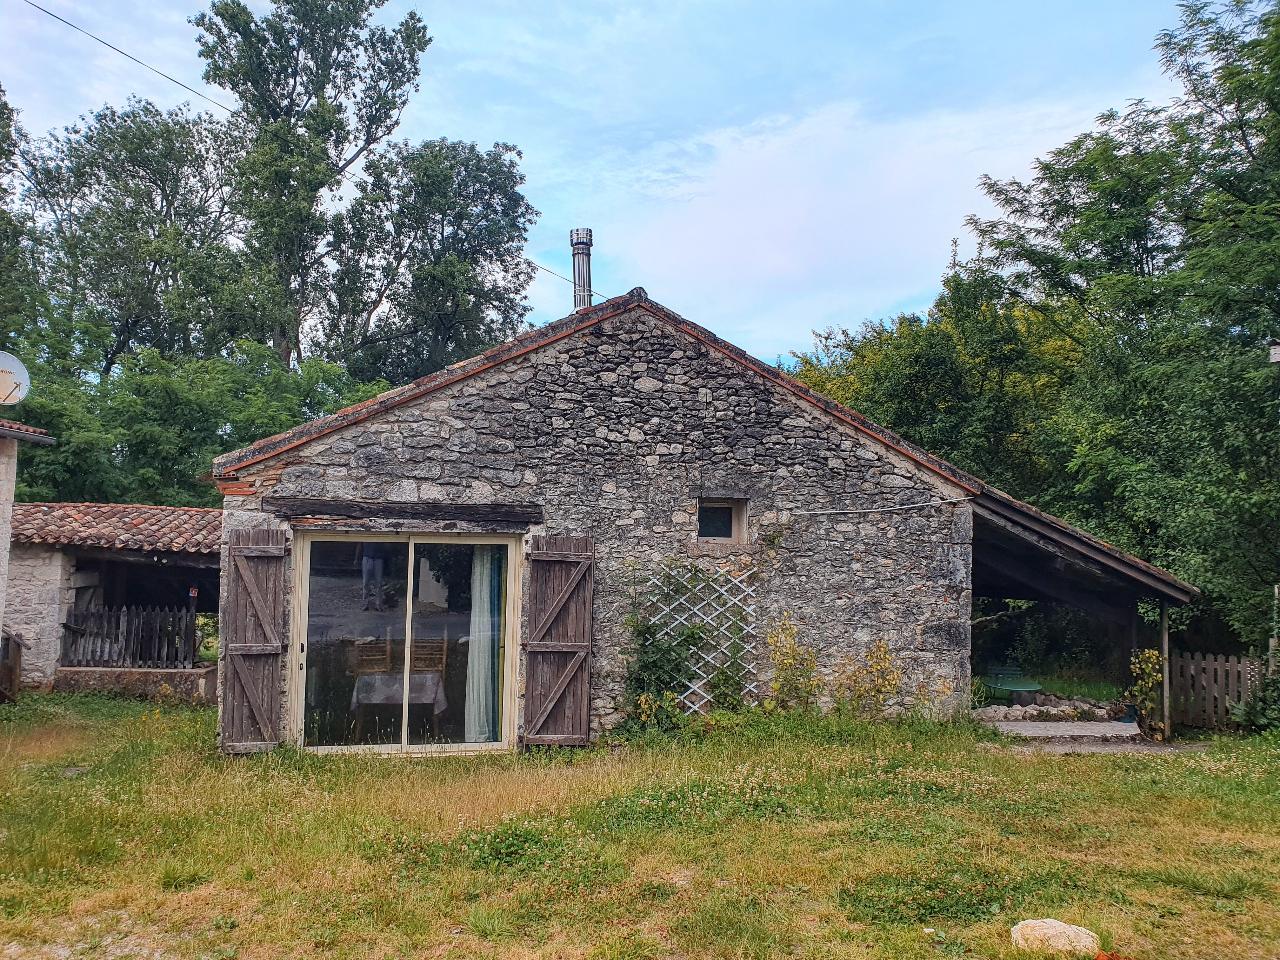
<point x="40" y="593"/>
<point x="75" y="563"/>
<point x="451" y="564"/>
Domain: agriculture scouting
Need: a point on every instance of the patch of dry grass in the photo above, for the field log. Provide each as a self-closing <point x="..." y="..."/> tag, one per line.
<point x="784" y="836"/>
<point x="19" y="747"/>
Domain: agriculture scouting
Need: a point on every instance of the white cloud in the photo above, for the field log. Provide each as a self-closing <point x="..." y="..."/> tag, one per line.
<point x="767" y="231"/>
<point x="635" y="119"/>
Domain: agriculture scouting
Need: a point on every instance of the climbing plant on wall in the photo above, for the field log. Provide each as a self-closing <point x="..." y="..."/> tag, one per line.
<point x="702" y="624"/>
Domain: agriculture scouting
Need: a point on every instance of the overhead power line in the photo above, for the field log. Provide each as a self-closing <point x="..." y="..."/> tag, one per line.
<point x="141" y="63"/>
<point x="342" y="177"/>
<point x="567" y="280"/>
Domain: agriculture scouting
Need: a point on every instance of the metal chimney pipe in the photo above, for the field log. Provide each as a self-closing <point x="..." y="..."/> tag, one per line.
<point x="580" y="243"/>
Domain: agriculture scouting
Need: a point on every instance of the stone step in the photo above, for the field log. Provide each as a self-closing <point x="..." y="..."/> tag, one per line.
<point x="1080" y="730"/>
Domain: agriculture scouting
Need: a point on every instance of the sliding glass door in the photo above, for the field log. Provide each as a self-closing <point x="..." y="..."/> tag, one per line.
<point x="405" y="643"/>
<point x="355" y="642"/>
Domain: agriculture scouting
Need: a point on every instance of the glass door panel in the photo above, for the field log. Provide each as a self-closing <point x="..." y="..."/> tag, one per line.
<point x="355" y="647"/>
<point x="458" y="629"/>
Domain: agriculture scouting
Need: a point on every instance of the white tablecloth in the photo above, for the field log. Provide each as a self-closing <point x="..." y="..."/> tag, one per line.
<point x="385" y="689"/>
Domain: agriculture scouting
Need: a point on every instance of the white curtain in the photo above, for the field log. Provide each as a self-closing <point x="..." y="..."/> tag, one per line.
<point x="480" y="718"/>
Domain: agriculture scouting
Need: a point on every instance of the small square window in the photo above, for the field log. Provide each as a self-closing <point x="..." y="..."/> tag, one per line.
<point x="722" y="520"/>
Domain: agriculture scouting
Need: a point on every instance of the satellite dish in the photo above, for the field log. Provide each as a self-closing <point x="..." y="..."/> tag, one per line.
<point x="14" y="379"/>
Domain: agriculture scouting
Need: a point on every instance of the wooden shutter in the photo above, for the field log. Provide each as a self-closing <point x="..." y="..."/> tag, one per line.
<point x="557" y="689"/>
<point x="252" y="640"/>
<point x="11" y="647"/>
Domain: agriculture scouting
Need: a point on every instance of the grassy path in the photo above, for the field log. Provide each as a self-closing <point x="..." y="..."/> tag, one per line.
<point x="124" y="833"/>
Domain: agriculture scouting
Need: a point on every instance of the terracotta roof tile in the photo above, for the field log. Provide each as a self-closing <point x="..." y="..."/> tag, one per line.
<point x="119" y="526"/>
<point x="12" y="427"/>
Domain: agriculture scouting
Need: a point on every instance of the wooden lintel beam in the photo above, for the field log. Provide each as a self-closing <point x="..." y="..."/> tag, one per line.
<point x="167" y="559"/>
<point x="527" y="513"/>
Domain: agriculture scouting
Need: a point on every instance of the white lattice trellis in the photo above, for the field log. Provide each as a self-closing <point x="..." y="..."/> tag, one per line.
<point x="723" y="605"/>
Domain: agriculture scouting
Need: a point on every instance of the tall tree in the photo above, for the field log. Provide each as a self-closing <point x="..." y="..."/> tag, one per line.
<point x="136" y="236"/>
<point x="1110" y="354"/>
<point x="429" y="264"/>
<point x="1226" y="125"/>
<point x="21" y="292"/>
<point x="319" y="86"/>
<point x="148" y="258"/>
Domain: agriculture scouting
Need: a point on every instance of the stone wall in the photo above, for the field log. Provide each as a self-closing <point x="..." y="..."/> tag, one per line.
<point x="8" y="482"/>
<point x="39" y="594"/>
<point x="616" y="431"/>
<point x="194" y="685"/>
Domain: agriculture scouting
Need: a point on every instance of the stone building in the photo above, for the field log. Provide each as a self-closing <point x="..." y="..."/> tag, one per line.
<point x="12" y="645"/>
<point x="70" y="560"/>
<point x="451" y="565"/>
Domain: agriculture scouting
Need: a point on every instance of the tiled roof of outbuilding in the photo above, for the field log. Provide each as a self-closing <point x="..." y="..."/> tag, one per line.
<point x="119" y="526"/>
<point x="21" y="431"/>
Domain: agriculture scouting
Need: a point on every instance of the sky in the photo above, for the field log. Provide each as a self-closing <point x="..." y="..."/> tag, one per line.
<point x="765" y="169"/>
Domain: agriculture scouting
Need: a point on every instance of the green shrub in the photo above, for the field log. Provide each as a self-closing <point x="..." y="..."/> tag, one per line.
<point x="794" y="684"/>
<point x="658" y="661"/>
<point x="1262" y="712"/>
<point x="207" y="637"/>
<point x="1144" y="692"/>
<point x="728" y="684"/>
<point x="1059" y="641"/>
<point x="864" y="685"/>
<point x="659" y="670"/>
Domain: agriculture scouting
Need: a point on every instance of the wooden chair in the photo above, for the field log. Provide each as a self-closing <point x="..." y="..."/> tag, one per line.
<point x="373" y="656"/>
<point x="429" y="655"/>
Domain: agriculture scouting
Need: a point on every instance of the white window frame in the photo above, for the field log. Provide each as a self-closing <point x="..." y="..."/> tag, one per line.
<point x="295" y="687"/>
<point x="738" y="518"/>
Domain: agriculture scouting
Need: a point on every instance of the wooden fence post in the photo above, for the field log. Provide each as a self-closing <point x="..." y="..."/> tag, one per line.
<point x="1273" y="645"/>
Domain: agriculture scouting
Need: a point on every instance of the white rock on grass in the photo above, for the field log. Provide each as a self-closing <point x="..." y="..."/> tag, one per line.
<point x="1054" y="936"/>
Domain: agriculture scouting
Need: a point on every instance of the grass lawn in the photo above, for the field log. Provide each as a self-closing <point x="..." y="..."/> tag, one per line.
<point x="1103" y="690"/>
<point x="123" y="833"/>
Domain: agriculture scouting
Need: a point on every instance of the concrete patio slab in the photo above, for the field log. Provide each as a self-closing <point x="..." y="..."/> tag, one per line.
<point x="1104" y="746"/>
<point x="1088" y="730"/>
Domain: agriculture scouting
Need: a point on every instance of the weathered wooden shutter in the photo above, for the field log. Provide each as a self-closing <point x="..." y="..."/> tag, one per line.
<point x="557" y="689"/>
<point x="11" y="647"/>
<point x="253" y="640"/>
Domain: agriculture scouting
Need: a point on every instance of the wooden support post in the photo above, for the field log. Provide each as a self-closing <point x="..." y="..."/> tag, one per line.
<point x="1273" y="648"/>
<point x="1164" y="668"/>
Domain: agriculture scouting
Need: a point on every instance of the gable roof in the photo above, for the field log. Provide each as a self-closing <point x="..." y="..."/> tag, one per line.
<point x="119" y="526"/>
<point x="226" y="465"/>
<point x="1149" y="576"/>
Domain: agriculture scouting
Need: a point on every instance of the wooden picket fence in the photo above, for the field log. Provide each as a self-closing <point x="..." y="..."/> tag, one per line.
<point x="1203" y="687"/>
<point x="129" y="637"/>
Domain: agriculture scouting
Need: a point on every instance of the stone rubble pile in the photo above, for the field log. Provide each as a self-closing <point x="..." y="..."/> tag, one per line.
<point x="1046" y="706"/>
